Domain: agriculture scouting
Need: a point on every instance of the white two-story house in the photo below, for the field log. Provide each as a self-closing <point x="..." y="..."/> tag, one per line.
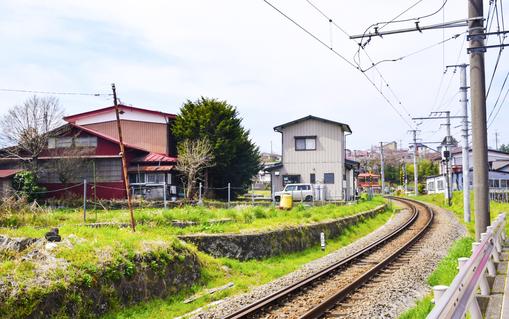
<point x="313" y="151"/>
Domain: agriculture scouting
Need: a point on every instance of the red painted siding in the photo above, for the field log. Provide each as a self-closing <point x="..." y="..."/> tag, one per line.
<point x="111" y="190"/>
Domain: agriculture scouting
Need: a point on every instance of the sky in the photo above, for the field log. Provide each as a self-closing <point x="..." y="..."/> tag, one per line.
<point x="162" y="53"/>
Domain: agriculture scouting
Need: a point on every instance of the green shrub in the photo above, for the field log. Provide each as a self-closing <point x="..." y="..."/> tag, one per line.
<point x="25" y="183"/>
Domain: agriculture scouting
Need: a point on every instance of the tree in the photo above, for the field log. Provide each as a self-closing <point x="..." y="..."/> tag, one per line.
<point x="25" y="184"/>
<point x="237" y="158"/>
<point x="193" y="157"/>
<point x="25" y="128"/>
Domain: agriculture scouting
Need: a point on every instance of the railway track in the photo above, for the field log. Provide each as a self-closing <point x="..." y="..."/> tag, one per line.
<point x="321" y="294"/>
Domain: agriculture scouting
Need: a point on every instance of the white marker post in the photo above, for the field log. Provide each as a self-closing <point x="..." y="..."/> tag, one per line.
<point x="322" y="241"/>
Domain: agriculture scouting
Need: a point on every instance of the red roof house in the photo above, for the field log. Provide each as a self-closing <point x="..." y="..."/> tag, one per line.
<point x="87" y="148"/>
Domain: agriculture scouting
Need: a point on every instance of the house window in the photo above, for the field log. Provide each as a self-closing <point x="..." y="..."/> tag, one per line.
<point x="431" y="186"/>
<point x="86" y="141"/>
<point x="137" y="178"/>
<point x="328" y="178"/>
<point x="155" y="178"/>
<point x="291" y="179"/>
<point x="52" y="142"/>
<point x="305" y="143"/>
<point x="312" y="178"/>
<point x="440" y="185"/>
<point x="63" y="142"/>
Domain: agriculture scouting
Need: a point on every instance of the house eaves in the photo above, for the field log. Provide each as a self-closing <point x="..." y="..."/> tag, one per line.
<point x="344" y="126"/>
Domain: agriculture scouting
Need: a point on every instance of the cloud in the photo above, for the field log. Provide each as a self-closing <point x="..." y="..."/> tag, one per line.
<point x="161" y="53"/>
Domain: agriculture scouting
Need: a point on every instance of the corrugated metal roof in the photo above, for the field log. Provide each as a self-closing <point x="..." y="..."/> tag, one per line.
<point x="8" y="172"/>
<point x="73" y="118"/>
<point x="162" y="168"/>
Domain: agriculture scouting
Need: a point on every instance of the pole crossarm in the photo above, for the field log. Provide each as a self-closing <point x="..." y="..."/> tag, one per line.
<point x="484" y="47"/>
<point x="438" y="117"/>
<point x="450" y="24"/>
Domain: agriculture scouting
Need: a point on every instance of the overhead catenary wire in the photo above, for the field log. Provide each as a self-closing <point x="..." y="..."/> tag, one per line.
<point x="374" y="65"/>
<point x="384" y="24"/>
<point x="496" y="102"/>
<point x="339" y="55"/>
<point x="53" y="92"/>
<point x="311" y="34"/>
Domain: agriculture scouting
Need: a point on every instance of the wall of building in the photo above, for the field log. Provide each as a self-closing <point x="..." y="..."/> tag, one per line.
<point x="149" y="136"/>
<point x="328" y="157"/>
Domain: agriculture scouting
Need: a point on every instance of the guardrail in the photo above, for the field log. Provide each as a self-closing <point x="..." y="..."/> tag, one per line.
<point x="460" y="297"/>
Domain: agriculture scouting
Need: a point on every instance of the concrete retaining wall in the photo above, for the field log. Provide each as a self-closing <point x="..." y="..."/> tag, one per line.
<point x="273" y="243"/>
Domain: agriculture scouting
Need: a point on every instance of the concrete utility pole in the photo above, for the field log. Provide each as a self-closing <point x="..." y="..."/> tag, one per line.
<point x="405" y="178"/>
<point x="124" y="161"/>
<point x="382" y="164"/>
<point x="496" y="141"/>
<point x="479" y="129"/>
<point x="465" y="148"/>
<point x="416" y="169"/>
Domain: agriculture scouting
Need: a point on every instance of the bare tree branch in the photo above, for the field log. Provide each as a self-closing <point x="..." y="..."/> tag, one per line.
<point x="25" y="128"/>
<point x="194" y="157"/>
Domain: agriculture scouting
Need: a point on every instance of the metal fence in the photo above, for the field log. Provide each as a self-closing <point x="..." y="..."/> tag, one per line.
<point x="499" y="195"/>
<point x="460" y="297"/>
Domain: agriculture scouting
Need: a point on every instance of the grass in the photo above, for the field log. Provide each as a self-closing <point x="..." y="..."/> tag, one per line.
<point x="447" y="268"/>
<point x="245" y="274"/>
<point x="457" y="208"/>
<point x="241" y="218"/>
<point x="87" y="251"/>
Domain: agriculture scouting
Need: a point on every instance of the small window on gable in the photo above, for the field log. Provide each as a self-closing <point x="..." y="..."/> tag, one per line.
<point x="305" y="143"/>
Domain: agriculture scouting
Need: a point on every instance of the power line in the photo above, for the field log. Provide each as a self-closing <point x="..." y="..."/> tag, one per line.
<point x="414" y="52"/>
<point x="498" y="98"/>
<point x="340" y="56"/>
<point x="398" y="21"/>
<point x="311" y="34"/>
<point x="54" y="93"/>
<point x="499" y="108"/>
<point x="373" y="65"/>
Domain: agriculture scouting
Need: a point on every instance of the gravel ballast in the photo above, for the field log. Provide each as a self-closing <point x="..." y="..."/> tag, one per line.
<point x="389" y="296"/>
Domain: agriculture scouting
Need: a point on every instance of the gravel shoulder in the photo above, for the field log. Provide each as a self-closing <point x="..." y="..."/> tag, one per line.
<point x="394" y="292"/>
<point x="223" y="307"/>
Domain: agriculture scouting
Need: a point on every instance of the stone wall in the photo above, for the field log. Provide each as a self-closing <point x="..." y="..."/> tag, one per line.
<point x="273" y="243"/>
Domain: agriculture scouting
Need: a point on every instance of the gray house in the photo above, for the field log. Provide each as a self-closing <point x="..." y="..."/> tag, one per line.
<point x="313" y="151"/>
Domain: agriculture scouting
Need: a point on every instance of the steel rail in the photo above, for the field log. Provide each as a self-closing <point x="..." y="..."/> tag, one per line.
<point x="284" y="292"/>
<point x="329" y="303"/>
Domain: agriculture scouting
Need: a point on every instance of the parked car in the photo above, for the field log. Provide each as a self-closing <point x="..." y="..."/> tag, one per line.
<point x="299" y="192"/>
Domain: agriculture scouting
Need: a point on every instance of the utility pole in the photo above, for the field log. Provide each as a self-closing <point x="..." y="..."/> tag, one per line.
<point x="465" y="149"/>
<point x="405" y="178"/>
<point x="122" y="154"/>
<point x="382" y="169"/>
<point x="448" y="142"/>
<point x="416" y="170"/>
<point x="479" y="129"/>
<point x="496" y="140"/>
